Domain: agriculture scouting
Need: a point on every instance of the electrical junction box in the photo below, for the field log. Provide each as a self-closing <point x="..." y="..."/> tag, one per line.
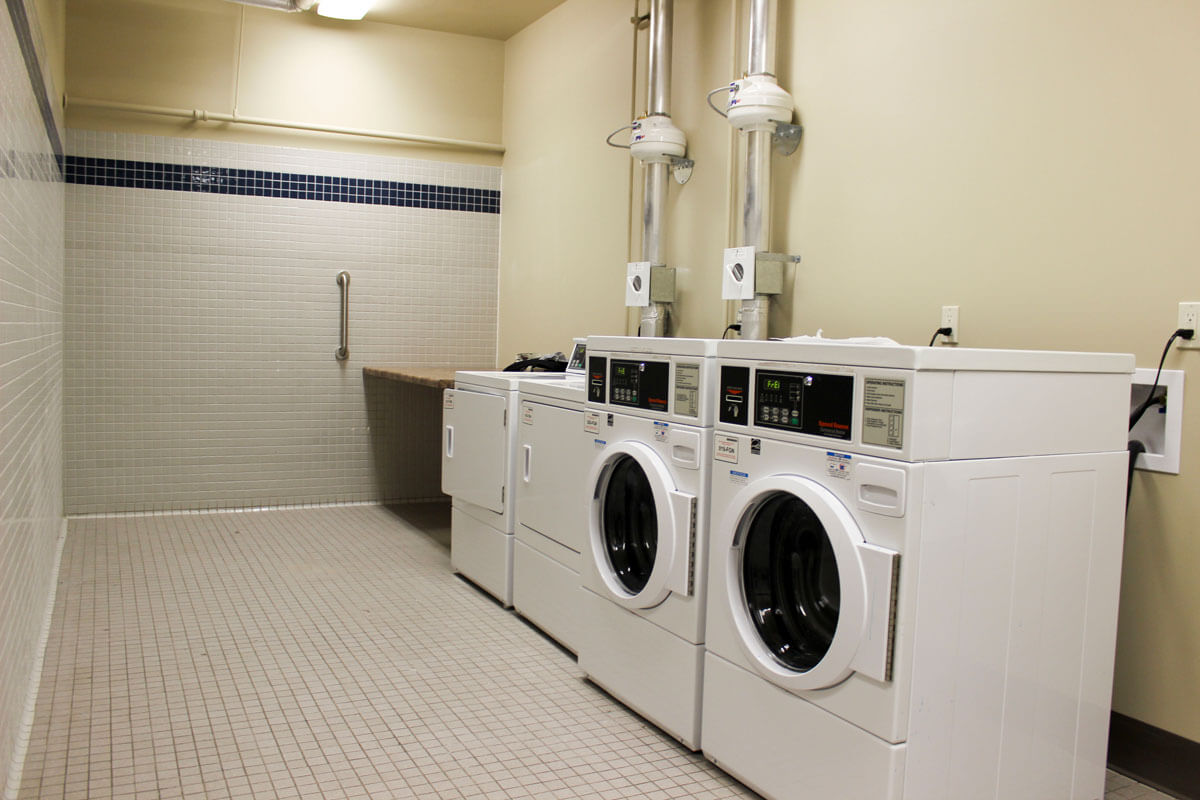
<point x="737" y="274"/>
<point x="637" y="284"/>
<point x="1161" y="427"/>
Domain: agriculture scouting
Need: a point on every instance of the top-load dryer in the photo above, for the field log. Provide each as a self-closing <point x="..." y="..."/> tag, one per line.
<point x="479" y="472"/>
<point x="553" y="457"/>
<point x="913" y="570"/>
<point x="649" y="415"/>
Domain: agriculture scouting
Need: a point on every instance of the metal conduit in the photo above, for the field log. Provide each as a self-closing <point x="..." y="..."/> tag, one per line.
<point x="202" y="115"/>
<point x="756" y="217"/>
<point x="654" y="194"/>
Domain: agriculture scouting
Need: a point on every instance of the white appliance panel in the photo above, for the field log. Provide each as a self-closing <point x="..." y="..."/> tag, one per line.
<point x="553" y="458"/>
<point x="475" y="448"/>
<point x="481" y="553"/>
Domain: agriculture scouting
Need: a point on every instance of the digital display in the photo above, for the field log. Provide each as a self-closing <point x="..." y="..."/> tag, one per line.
<point x="772" y="383"/>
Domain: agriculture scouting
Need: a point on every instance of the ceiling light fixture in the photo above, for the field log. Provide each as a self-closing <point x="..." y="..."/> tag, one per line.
<point x="344" y="9"/>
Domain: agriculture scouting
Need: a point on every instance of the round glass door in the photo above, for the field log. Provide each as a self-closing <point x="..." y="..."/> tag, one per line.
<point x="790" y="581"/>
<point x="629" y="524"/>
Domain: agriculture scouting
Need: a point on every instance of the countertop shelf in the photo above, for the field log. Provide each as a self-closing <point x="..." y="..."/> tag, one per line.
<point x="434" y="377"/>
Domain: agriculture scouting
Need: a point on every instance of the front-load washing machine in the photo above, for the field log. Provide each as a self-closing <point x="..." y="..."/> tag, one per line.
<point x="553" y="458"/>
<point x="479" y="467"/>
<point x="649" y="415"/>
<point x="913" y="573"/>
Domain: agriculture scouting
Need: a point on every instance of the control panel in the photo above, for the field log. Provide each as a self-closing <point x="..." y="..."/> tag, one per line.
<point x="640" y="384"/>
<point x="813" y="403"/>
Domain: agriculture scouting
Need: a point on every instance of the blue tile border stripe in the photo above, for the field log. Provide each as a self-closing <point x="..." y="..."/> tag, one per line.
<point x="258" y="183"/>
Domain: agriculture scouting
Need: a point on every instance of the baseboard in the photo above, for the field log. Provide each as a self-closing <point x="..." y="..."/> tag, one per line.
<point x="1154" y="757"/>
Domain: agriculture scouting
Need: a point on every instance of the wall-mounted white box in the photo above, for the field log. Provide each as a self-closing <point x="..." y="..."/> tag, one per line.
<point x="637" y="284"/>
<point x="1161" y="427"/>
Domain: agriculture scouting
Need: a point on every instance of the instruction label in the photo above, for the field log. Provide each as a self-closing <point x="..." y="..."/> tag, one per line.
<point x="660" y="431"/>
<point x="448" y="399"/>
<point x="740" y="478"/>
<point x="883" y="412"/>
<point x="687" y="390"/>
<point x="837" y="465"/>
<point x="591" y="421"/>
<point x="725" y="448"/>
<point x="526" y="414"/>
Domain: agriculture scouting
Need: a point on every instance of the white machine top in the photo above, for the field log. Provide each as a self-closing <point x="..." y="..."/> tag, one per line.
<point x="653" y="345"/>
<point x="503" y="381"/>
<point x="925" y="358"/>
<point x="573" y="389"/>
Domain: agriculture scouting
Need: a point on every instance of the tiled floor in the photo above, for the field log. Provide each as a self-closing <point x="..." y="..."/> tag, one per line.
<point x="321" y="652"/>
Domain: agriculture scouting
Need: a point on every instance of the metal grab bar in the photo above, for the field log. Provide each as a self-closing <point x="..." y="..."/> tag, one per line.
<point x="343" y="352"/>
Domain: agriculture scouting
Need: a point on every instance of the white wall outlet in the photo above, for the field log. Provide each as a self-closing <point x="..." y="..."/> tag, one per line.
<point x="737" y="274"/>
<point x="950" y="320"/>
<point x="1189" y="317"/>
<point x="637" y="284"/>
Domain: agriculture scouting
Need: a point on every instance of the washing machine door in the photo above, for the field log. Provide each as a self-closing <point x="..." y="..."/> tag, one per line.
<point x="642" y="529"/>
<point x="811" y="600"/>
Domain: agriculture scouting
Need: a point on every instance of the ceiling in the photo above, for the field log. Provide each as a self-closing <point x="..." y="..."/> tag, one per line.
<point x="493" y="19"/>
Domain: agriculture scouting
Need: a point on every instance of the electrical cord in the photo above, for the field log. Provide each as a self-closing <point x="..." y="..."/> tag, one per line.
<point x="1182" y="333"/>
<point x="940" y="332"/>
<point x="734" y="327"/>
<point x="1136" y="448"/>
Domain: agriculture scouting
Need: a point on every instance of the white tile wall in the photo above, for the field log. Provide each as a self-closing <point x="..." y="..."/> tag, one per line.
<point x="200" y="332"/>
<point x="31" y="280"/>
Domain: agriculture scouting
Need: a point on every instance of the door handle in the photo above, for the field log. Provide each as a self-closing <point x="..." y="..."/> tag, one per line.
<point x="449" y="441"/>
<point x="528" y="461"/>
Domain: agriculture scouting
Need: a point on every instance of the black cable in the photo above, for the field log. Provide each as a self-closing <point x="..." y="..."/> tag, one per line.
<point x="1136" y="448"/>
<point x="940" y="332"/>
<point x="734" y="327"/>
<point x="1137" y="414"/>
<point x="1182" y="333"/>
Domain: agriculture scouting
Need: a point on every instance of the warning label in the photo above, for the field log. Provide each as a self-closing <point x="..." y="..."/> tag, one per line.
<point x="448" y="399"/>
<point x="526" y="414"/>
<point x="740" y="478"/>
<point x="660" y="431"/>
<point x="591" y="421"/>
<point x="837" y="465"/>
<point x="883" y="412"/>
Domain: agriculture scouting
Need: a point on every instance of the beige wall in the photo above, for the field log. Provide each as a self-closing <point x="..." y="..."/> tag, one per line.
<point x="564" y="212"/>
<point x="1033" y="163"/>
<point x="300" y="67"/>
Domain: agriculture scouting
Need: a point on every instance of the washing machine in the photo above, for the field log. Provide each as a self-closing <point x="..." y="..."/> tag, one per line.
<point x="914" y="565"/>
<point x="554" y="456"/>
<point x="649" y="416"/>
<point x="479" y="468"/>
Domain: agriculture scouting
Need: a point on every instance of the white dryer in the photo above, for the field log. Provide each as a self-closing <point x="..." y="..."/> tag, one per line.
<point x="554" y="456"/>
<point x="649" y="414"/>
<point x="479" y="473"/>
<point x="914" y="567"/>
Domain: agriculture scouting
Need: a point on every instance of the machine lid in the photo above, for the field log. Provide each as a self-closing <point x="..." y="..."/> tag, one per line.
<point x="925" y="358"/>
<point x="498" y="379"/>
<point x="571" y="389"/>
